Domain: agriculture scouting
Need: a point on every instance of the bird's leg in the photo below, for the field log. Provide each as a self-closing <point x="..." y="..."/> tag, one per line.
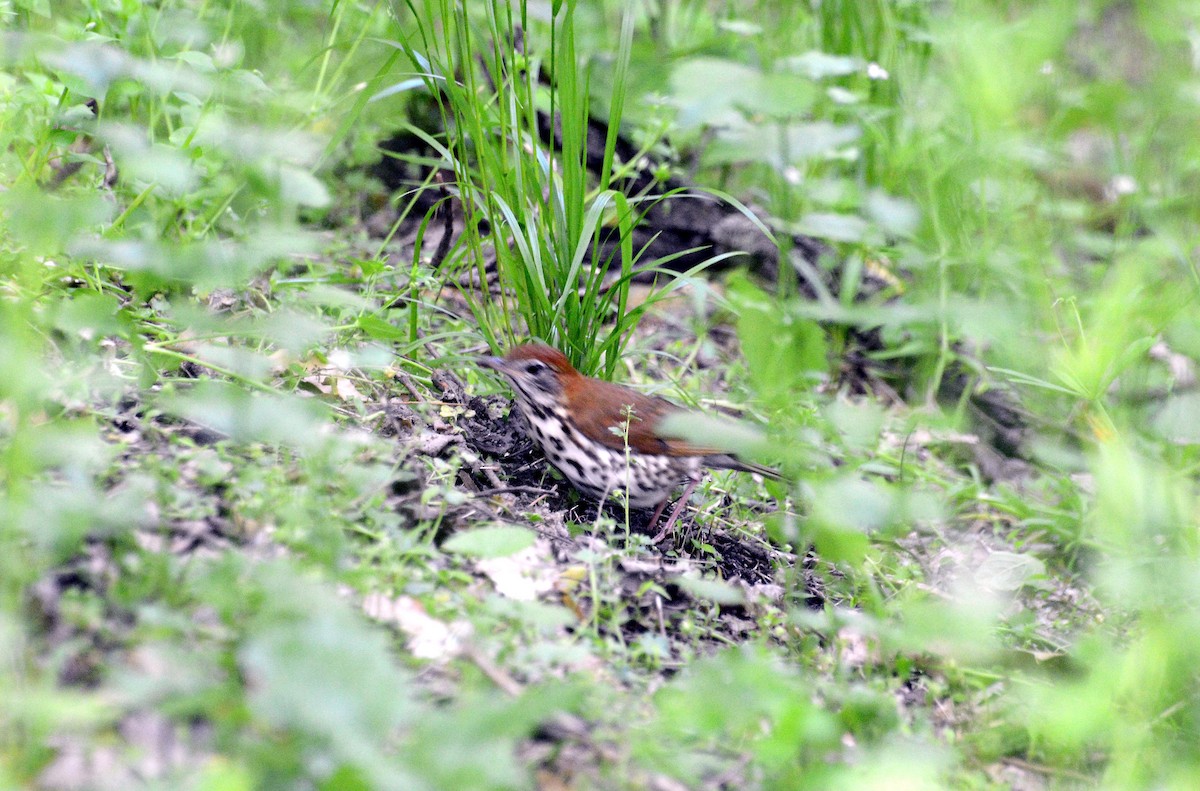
<point x="600" y="505"/>
<point x="657" y="513"/>
<point x="683" y="499"/>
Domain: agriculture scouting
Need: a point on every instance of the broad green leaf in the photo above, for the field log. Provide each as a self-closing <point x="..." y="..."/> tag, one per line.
<point x="833" y="227"/>
<point x="88" y="314"/>
<point x="896" y="216"/>
<point x="381" y="330"/>
<point x="491" y="542"/>
<point x="713" y="590"/>
<point x="208" y="264"/>
<point x="1178" y="419"/>
<point x="859" y="422"/>
<point x="780" y="145"/>
<point x="707" y="90"/>
<point x="316" y="669"/>
<point x="780" y="96"/>
<point x="302" y="188"/>
<point x="818" y="65"/>
<point x="167" y="168"/>
<point x="47" y="224"/>
<point x="711" y="431"/>
<point x="239" y="414"/>
<point x="785" y="353"/>
<point x="1008" y="571"/>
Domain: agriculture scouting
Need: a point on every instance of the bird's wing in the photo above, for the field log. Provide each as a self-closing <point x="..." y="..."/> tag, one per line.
<point x="616" y="416"/>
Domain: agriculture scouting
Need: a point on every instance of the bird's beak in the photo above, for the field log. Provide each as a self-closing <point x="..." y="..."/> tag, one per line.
<point x="494" y="363"/>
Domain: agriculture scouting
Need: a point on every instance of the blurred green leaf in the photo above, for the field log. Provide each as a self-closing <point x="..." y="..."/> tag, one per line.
<point x="95" y="66"/>
<point x="1177" y="420"/>
<point x="302" y="188"/>
<point x="243" y="416"/>
<point x="741" y="697"/>
<point x="859" y="422"/>
<point x="707" y="91"/>
<point x="819" y="65"/>
<point x="166" y="167"/>
<point x="1008" y="571"/>
<point x="243" y="362"/>
<point x="713" y="590"/>
<point x="718" y="433"/>
<point x="314" y="667"/>
<point x="474" y="742"/>
<point x="284" y="327"/>
<point x="960" y="628"/>
<point x="380" y="330"/>
<point x="90" y="315"/>
<point x="785" y="354"/>
<point x="779" y="96"/>
<point x="868" y="713"/>
<point x="491" y="542"/>
<point x="60" y="520"/>
<point x="781" y="146"/>
<point x="206" y="265"/>
<point x="854" y="503"/>
<point x="224" y="775"/>
<point x="896" y="216"/>
<point x="835" y="227"/>
<point x="47" y="224"/>
<point x="741" y="27"/>
<point x="845" y="511"/>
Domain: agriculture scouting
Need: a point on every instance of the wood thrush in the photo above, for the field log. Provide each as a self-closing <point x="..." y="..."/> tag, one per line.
<point x="607" y="438"/>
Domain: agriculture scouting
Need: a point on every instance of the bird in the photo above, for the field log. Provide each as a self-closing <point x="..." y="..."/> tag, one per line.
<point x="607" y="438"/>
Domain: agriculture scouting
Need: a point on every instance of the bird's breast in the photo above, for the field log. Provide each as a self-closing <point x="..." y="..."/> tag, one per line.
<point x="601" y="471"/>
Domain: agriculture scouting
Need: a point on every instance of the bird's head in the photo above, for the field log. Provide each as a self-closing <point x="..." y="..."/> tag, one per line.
<point x="539" y="374"/>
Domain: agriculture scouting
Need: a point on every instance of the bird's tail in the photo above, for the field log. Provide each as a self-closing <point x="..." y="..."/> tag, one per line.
<point x="725" y="461"/>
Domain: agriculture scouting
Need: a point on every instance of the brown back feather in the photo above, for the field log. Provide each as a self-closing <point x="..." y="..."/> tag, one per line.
<point x="599" y="406"/>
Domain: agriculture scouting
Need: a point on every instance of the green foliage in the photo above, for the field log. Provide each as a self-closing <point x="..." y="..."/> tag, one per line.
<point x="195" y="352"/>
<point x="786" y="353"/>
<point x="545" y="218"/>
<point x="534" y="198"/>
<point x="491" y="542"/>
<point x="774" y="719"/>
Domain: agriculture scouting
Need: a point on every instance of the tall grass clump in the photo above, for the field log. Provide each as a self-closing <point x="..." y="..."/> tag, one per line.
<point x="514" y="102"/>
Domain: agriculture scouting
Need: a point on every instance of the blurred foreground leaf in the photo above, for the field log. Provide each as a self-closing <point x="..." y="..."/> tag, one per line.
<point x="316" y="668"/>
<point x="786" y="354"/>
<point x="491" y="542"/>
<point x="234" y="412"/>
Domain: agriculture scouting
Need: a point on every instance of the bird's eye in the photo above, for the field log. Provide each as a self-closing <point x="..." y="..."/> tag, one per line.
<point x="534" y="367"/>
